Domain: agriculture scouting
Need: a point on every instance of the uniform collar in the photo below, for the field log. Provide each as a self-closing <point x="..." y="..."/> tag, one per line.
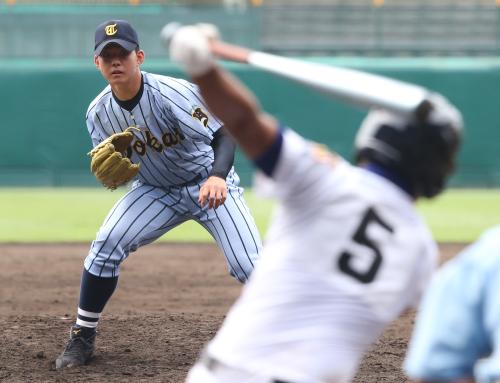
<point x="389" y="175"/>
<point x="132" y="103"/>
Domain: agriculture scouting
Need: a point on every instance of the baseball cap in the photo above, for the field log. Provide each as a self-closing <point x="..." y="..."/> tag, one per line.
<point x="115" y="31"/>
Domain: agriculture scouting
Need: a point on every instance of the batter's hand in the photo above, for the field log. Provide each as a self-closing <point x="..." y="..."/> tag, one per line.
<point x="213" y="191"/>
<point x="190" y="47"/>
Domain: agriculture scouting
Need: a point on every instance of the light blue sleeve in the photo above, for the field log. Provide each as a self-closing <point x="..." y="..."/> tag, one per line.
<point x="488" y="369"/>
<point x="457" y="333"/>
<point x="94" y="132"/>
<point x="449" y="336"/>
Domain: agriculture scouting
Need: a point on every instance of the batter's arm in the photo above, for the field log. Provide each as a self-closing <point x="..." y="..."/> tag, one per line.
<point x="225" y="96"/>
<point x="236" y="106"/>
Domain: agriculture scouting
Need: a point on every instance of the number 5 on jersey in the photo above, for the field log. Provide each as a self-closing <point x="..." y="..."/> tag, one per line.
<point x="345" y="261"/>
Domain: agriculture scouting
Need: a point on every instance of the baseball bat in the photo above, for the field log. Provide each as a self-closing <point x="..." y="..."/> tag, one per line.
<point x="348" y="85"/>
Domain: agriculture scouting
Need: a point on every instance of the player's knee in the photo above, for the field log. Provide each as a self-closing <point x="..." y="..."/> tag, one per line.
<point x="117" y="243"/>
<point x="100" y="265"/>
<point x="104" y="259"/>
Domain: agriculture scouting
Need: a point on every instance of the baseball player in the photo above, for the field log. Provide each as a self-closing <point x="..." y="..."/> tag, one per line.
<point x="157" y="131"/>
<point x="457" y="334"/>
<point x="346" y="252"/>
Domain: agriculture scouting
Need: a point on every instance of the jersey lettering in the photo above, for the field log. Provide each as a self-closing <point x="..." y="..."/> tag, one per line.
<point x="139" y="147"/>
<point x="360" y="236"/>
<point x="153" y="142"/>
<point x="176" y="143"/>
<point x="170" y="139"/>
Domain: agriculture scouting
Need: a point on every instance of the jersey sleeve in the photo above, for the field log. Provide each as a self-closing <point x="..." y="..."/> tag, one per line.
<point x="299" y="171"/>
<point x="187" y="107"/>
<point x="95" y="134"/>
<point x="488" y="368"/>
<point x="448" y="337"/>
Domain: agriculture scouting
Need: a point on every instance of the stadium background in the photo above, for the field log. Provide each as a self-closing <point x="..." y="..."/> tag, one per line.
<point x="172" y="297"/>
<point x="47" y="75"/>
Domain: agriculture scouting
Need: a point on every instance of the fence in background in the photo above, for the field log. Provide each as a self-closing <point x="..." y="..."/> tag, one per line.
<point x="45" y="140"/>
<point x="47" y="77"/>
<point x="67" y="32"/>
<point x="394" y="28"/>
<point x="397" y="29"/>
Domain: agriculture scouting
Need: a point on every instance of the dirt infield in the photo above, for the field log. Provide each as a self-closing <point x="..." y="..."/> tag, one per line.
<point x="170" y="301"/>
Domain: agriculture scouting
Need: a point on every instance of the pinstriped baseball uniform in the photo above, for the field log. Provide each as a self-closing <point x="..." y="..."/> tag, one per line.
<point x="173" y="148"/>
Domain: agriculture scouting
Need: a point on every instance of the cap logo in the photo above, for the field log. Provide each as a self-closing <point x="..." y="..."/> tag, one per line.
<point x="111" y="29"/>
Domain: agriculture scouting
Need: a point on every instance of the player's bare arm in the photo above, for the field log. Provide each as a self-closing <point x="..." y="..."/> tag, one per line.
<point x="226" y="97"/>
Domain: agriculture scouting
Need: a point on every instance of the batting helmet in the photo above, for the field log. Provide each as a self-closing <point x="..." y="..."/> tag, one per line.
<point x="420" y="149"/>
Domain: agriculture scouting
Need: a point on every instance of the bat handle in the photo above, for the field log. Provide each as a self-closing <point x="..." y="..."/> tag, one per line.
<point x="230" y="52"/>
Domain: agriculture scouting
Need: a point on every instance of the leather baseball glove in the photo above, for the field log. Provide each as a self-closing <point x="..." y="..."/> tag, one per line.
<point x="109" y="162"/>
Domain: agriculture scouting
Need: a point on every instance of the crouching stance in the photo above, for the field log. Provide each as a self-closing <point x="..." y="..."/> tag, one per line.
<point x="156" y="131"/>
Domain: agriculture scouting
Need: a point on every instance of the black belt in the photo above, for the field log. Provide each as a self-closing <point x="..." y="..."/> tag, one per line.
<point x="213" y="364"/>
<point x="190" y="182"/>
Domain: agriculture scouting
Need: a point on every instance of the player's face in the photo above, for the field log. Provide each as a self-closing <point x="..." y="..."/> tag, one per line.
<point x="117" y="65"/>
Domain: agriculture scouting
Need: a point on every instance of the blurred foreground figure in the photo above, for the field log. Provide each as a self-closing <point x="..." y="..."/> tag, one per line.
<point x="346" y="252"/>
<point x="457" y="334"/>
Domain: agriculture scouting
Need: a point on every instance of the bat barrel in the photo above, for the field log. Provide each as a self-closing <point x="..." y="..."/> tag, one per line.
<point x="355" y="87"/>
<point x="352" y="86"/>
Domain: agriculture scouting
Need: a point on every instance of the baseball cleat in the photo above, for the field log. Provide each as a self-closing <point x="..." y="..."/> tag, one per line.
<point x="79" y="349"/>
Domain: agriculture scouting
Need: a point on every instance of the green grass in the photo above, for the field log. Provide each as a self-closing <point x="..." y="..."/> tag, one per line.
<point x="75" y="214"/>
<point x="461" y="215"/>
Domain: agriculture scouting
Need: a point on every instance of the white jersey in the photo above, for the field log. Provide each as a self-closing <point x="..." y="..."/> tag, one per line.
<point x="173" y="146"/>
<point x="346" y="253"/>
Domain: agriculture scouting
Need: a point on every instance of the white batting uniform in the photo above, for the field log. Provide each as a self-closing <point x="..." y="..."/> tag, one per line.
<point x="345" y="255"/>
<point x="175" y="156"/>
